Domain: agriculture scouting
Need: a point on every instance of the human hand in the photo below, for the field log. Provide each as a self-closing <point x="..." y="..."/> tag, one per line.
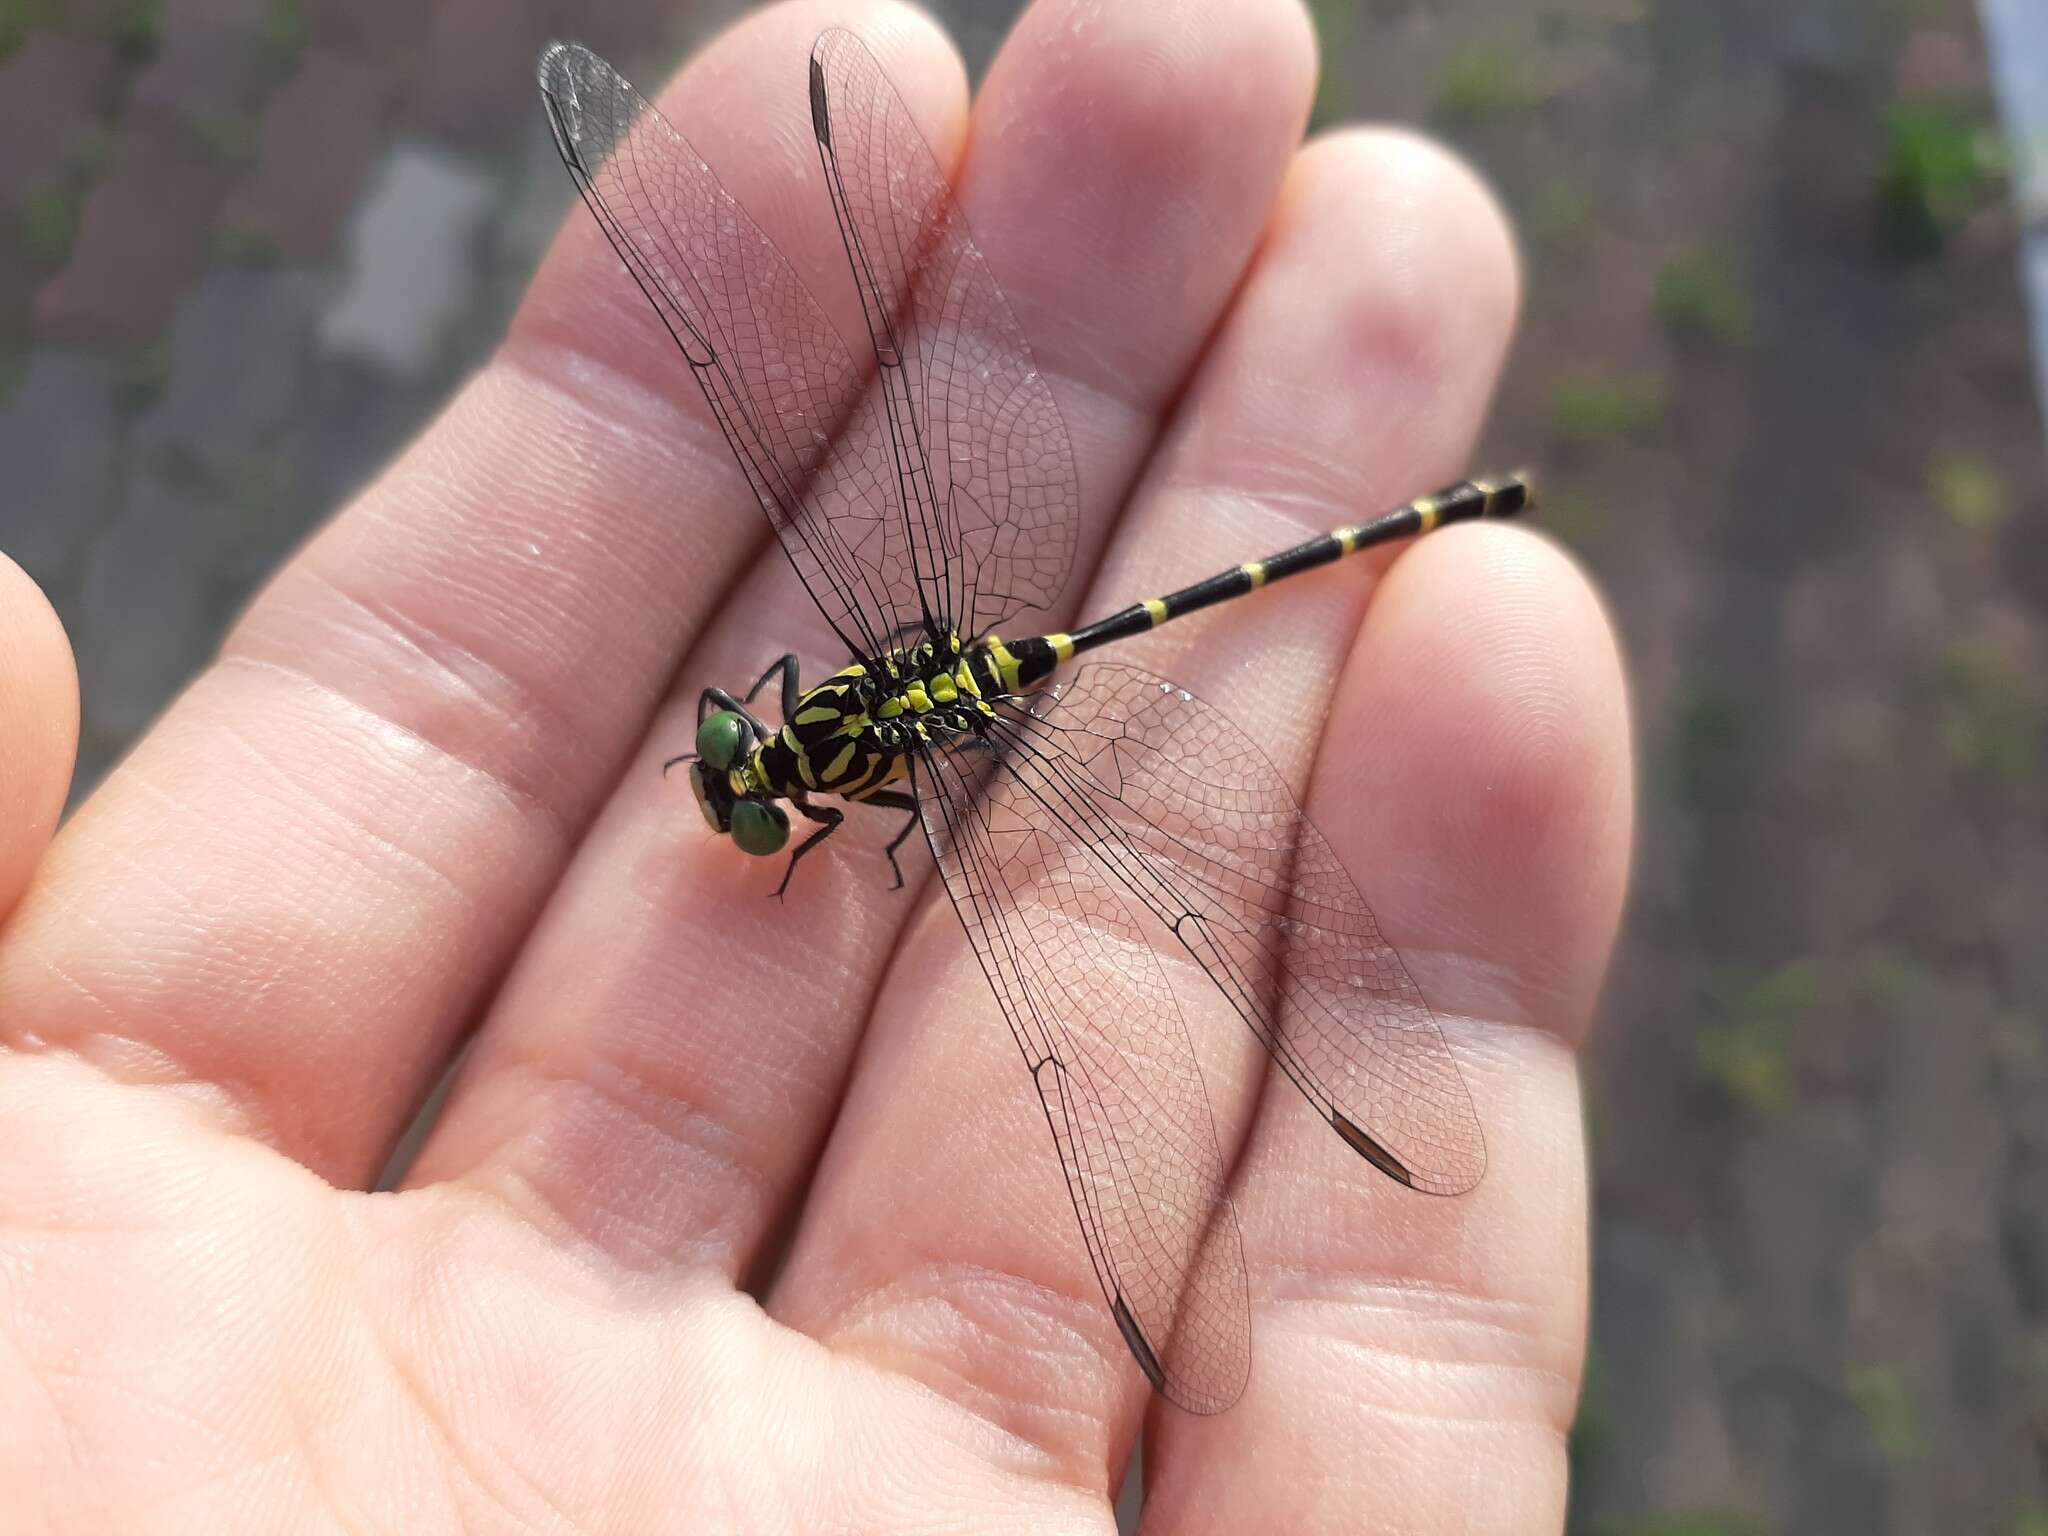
<point x="418" y="796"/>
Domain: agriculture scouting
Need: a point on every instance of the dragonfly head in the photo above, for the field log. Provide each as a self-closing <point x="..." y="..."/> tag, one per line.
<point x="756" y="822"/>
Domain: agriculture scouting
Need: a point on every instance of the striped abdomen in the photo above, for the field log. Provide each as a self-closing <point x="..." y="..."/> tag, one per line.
<point x="1468" y="499"/>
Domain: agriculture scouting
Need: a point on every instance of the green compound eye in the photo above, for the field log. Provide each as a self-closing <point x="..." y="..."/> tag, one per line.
<point x="759" y="827"/>
<point x="721" y="739"/>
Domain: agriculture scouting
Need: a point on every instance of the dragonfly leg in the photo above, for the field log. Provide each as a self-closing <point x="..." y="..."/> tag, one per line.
<point x="718" y="698"/>
<point x="828" y="819"/>
<point x="791" y="689"/>
<point x="895" y="800"/>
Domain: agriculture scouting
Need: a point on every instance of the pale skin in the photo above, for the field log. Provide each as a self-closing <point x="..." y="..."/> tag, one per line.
<point x="418" y="799"/>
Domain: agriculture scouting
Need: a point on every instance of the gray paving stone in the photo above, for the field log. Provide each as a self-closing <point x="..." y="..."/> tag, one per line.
<point x="237" y="356"/>
<point x="60" y="438"/>
<point x="353" y="421"/>
<point x="410" y="247"/>
<point x="145" y="621"/>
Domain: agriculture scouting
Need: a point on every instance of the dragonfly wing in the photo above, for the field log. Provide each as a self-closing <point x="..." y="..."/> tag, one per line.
<point x="792" y="400"/>
<point x="1195" y="821"/>
<point x="1088" y="1003"/>
<point x="993" y="531"/>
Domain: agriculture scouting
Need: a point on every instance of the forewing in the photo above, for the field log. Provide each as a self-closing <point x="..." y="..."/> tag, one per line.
<point x="793" y="402"/>
<point x="993" y="530"/>
<point x="1088" y="1004"/>
<point x="1194" y="820"/>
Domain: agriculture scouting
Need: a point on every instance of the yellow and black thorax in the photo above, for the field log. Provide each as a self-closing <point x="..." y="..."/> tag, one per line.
<point x="855" y="732"/>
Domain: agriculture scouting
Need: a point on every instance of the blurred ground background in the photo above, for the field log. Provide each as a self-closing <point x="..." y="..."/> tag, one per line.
<point x="1776" y="368"/>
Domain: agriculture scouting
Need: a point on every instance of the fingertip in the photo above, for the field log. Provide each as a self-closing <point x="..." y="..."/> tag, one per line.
<point x="38" y="726"/>
<point x="1486" y="711"/>
<point x="743" y="105"/>
<point x="1133" y="151"/>
<point x="1431" y="231"/>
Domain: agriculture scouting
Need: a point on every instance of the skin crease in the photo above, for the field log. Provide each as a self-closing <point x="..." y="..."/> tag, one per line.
<point x="418" y="799"/>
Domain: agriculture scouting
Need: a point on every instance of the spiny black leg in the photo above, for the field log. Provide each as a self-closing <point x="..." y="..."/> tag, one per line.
<point x="894" y="800"/>
<point x="724" y="700"/>
<point x="791" y="690"/>
<point x="829" y="819"/>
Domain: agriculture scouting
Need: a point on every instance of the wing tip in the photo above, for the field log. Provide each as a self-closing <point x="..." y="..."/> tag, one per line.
<point x="555" y="72"/>
<point x="1369" y="1147"/>
<point x="821" y="117"/>
<point x="1140" y="1346"/>
<point x="1454" y="1181"/>
<point x="1174" y="1389"/>
<point x="553" y="64"/>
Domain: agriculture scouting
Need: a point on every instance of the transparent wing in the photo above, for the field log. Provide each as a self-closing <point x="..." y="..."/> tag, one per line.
<point x="1196" y="823"/>
<point x="988" y="470"/>
<point x="823" y="435"/>
<point x="789" y="396"/>
<point x="1088" y="1003"/>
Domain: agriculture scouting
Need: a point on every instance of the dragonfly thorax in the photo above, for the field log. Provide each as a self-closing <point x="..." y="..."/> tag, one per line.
<point x="856" y="732"/>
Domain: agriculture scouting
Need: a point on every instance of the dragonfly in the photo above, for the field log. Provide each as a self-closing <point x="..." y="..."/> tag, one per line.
<point x="923" y="488"/>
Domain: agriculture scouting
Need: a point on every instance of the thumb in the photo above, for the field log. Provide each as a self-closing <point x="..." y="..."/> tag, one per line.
<point x="38" y="727"/>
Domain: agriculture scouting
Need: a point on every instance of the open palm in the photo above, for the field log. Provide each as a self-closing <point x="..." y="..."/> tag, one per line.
<point x="417" y="800"/>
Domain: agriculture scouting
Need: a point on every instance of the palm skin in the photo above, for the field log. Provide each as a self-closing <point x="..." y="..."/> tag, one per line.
<point x="417" y="801"/>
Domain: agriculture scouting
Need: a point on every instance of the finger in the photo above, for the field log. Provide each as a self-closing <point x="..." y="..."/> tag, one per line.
<point x="39" y="703"/>
<point x="306" y="879"/>
<point x="1426" y="1337"/>
<point x="658" y="1075"/>
<point x="941" y="1237"/>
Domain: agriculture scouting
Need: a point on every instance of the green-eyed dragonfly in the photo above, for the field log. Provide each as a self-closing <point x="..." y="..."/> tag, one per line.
<point x="924" y="490"/>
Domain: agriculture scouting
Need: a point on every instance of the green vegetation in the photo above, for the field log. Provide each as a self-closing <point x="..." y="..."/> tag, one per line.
<point x="14" y="363"/>
<point x="1713" y="746"/>
<point x="18" y="18"/>
<point x="1700" y="298"/>
<point x="1334" y="23"/>
<point x="1994" y="716"/>
<point x="283" y="36"/>
<point x="1686" y="43"/>
<point x="1745" y="1049"/>
<point x="1596" y="406"/>
<point x="1887" y="980"/>
<point x="1938" y="164"/>
<point x="134" y="27"/>
<point x="1593" y="1423"/>
<point x="235" y="245"/>
<point x="1698" y="1524"/>
<point x="1569" y="515"/>
<point x="2031" y="1522"/>
<point x="1480" y="83"/>
<point x="1561" y="215"/>
<point x="1970" y="492"/>
<point x="223" y="136"/>
<point x="92" y="151"/>
<point x="49" y="223"/>
<point x="259" y="504"/>
<point x="2019" y="1050"/>
<point x="1887" y="1408"/>
<point x="141" y="375"/>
